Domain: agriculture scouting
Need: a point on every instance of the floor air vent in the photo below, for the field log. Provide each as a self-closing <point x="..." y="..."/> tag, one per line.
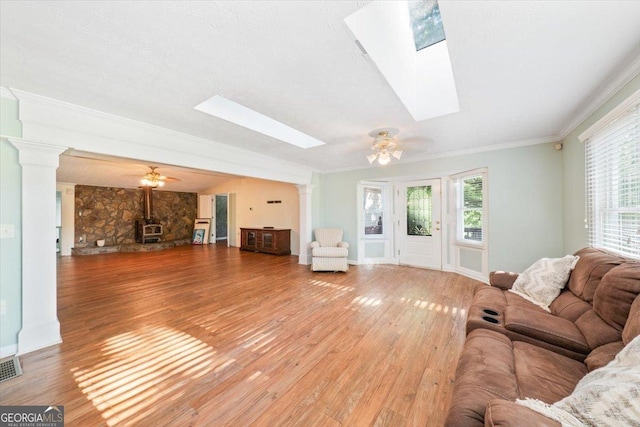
<point x="9" y="368"/>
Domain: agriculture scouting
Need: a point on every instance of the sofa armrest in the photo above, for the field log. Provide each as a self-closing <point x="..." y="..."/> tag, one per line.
<point x="545" y="327"/>
<point x="502" y="413"/>
<point x="502" y="279"/>
<point x="314" y="244"/>
<point x="343" y="245"/>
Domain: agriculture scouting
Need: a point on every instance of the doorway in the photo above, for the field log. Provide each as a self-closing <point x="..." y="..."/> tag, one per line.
<point x="419" y="227"/>
<point x="221" y="209"/>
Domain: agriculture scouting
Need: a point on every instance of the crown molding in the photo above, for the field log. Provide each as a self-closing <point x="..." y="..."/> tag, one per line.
<point x="465" y="152"/>
<point x="610" y="116"/>
<point x="597" y="101"/>
<point x="492" y="147"/>
<point x="94" y="131"/>
<point x="6" y="93"/>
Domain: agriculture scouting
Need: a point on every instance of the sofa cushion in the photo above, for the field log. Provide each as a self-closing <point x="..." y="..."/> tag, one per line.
<point x="632" y="327"/>
<point x="486" y="370"/>
<point x="543" y="374"/>
<point x="328" y="236"/>
<point x="330" y="252"/>
<point x="501" y="413"/>
<point x="607" y="396"/>
<point x="617" y="291"/>
<point x="595" y="330"/>
<point x="602" y="355"/>
<point x="568" y="306"/>
<point x="542" y="282"/>
<point x="589" y="270"/>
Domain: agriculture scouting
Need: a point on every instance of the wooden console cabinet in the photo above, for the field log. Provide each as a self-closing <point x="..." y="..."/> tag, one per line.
<point x="275" y="241"/>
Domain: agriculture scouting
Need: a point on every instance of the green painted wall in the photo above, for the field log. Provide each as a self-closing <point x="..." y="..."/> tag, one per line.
<point x="575" y="233"/>
<point x="525" y="200"/>
<point x="9" y="123"/>
<point x="10" y="213"/>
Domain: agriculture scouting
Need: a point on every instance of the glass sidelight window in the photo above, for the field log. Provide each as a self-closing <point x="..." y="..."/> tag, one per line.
<point x="471" y="205"/>
<point x="373" y="210"/>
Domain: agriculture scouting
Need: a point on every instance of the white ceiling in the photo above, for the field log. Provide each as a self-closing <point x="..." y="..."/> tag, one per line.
<point x="106" y="171"/>
<point x="524" y="70"/>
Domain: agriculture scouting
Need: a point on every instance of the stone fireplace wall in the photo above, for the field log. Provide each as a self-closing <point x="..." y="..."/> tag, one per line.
<point x="109" y="213"/>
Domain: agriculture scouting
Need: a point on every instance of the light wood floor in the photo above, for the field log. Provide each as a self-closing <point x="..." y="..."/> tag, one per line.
<point x="212" y="336"/>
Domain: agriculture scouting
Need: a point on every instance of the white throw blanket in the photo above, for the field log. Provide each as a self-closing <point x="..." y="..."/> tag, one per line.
<point x="608" y="396"/>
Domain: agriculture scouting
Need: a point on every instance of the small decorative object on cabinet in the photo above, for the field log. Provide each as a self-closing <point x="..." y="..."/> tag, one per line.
<point x="269" y="240"/>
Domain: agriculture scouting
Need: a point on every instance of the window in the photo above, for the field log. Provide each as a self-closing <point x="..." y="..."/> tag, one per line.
<point x="426" y="23"/>
<point x="471" y="208"/>
<point x="373" y="210"/>
<point x="419" y="211"/>
<point x="612" y="169"/>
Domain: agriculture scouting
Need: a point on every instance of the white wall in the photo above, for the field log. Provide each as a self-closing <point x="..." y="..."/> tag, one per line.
<point x="525" y="200"/>
<point x="10" y="214"/>
<point x="252" y="209"/>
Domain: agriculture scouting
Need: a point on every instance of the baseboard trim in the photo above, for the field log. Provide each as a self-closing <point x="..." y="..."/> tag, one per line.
<point x="41" y="336"/>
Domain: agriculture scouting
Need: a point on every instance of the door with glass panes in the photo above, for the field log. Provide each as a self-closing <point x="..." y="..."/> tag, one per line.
<point x="419" y="225"/>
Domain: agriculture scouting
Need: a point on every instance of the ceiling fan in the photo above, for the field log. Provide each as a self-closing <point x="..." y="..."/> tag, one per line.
<point x="154" y="179"/>
<point x="384" y="147"/>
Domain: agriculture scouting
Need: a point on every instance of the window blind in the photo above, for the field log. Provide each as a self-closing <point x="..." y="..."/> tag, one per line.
<point x="613" y="185"/>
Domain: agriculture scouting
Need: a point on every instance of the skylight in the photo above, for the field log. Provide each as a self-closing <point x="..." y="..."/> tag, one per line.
<point x="426" y="23"/>
<point x="421" y="77"/>
<point x="233" y="112"/>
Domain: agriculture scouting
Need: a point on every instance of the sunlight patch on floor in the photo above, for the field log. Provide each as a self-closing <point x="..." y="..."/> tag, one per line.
<point x="142" y="368"/>
<point x="258" y="340"/>
<point x="366" y="301"/>
<point x="433" y="306"/>
<point x="322" y="284"/>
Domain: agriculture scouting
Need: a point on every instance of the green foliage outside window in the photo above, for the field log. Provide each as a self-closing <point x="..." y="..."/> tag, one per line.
<point x="472" y="208"/>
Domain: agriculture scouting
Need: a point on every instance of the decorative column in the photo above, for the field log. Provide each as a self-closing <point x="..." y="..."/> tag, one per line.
<point x="40" y="325"/>
<point x="305" y="191"/>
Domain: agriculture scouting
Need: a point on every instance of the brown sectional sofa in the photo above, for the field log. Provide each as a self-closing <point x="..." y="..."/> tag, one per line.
<point x="574" y="326"/>
<point x="515" y="349"/>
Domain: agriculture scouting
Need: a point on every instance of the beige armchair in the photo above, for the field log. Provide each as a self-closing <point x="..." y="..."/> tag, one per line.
<point x="328" y="251"/>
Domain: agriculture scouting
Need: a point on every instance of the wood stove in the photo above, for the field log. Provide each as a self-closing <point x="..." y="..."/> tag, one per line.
<point x="147" y="230"/>
<point x="148" y="233"/>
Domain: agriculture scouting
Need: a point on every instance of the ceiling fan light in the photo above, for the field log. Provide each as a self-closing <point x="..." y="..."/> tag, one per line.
<point x="385" y="146"/>
<point x="151" y="182"/>
<point x="384" y="158"/>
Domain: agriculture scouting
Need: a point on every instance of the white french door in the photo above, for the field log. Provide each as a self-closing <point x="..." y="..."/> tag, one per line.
<point x="419" y="225"/>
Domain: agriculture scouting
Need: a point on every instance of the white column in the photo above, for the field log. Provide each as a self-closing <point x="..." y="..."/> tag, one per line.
<point x="305" y="191"/>
<point x="40" y="325"/>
